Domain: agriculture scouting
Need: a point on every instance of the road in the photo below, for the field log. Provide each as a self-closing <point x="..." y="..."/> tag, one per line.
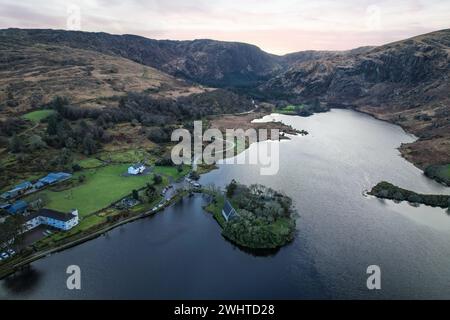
<point x="231" y="146"/>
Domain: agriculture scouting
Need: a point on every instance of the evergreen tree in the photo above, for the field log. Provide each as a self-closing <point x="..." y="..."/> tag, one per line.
<point x="135" y="195"/>
<point x="89" y="145"/>
<point x="16" y="144"/>
<point x="52" y="126"/>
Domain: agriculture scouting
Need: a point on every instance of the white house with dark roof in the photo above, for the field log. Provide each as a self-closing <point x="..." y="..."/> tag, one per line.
<point x="52" y="218"/>
<point x="136" y="169"/>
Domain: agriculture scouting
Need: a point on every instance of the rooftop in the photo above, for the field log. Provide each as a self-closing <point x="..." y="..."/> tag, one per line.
<point x="52" y="214"/>
<point x="17" y="207"/>
<point x="228" y="209"/>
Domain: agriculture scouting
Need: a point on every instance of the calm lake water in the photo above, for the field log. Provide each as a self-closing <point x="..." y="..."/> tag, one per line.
<point x="180" y="254"/>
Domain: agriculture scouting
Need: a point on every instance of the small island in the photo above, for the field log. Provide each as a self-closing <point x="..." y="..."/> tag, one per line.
<point x="254" y="217"/>
<point x="386" y="190"/>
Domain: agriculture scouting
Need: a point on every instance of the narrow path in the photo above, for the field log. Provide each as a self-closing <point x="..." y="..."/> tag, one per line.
<point x="29" y="129"/>
<point x="231" y="145"/>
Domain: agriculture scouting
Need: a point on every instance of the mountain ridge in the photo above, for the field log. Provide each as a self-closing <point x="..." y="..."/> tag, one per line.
<point x="406" y="82"/>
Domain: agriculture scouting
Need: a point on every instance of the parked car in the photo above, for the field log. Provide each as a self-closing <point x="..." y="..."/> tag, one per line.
<point x="4" y="255"/>
<point x="11" y="252"/>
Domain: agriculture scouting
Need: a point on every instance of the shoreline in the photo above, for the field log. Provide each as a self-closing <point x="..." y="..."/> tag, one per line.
<point x="403" y="147"/>
<point x="15" y="267"/>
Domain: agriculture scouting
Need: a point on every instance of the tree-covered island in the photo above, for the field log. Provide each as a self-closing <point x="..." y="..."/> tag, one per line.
<point x="254" y="217"/>
<point x="386" y="190"/>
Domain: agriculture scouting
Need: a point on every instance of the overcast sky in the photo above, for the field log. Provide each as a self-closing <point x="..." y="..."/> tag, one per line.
<point x="280" y="26"/>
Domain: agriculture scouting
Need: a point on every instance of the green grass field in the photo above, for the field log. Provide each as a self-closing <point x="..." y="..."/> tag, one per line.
<point x="102" y="187"/>
<point x="39" y="115"/>
<point x="291" y="109"/>
<point x="90" y="163"/>
<point x="172" y="171"/>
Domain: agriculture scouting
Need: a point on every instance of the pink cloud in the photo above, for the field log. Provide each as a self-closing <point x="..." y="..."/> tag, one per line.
<point x="286" y="41"/>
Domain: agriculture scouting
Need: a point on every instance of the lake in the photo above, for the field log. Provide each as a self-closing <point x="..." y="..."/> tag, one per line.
<point x="180" y="253"/>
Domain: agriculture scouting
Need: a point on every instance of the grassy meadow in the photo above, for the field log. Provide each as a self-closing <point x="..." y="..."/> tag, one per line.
<point x="37" y="116"/>
<point x="101" y="187"/>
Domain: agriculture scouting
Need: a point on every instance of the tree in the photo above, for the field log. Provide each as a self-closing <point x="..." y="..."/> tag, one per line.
<point x="151" y="192"/>
<point x="231" y="188"/>
<point x="70" y="143"/>
<point x="59" y="103"/>
<point x="52" y="125"/>
<point x="76" y="167"/>
<point x="398" y="196"/>
<point x="36" y="142"/>
<point x="16" y="144"/>
<point x="157" y="179"/>
<point x="180" y="169"/>
<point x="414" y="198"/>
<point x="63" y="158"/>
<point x="158" y="135"/>
<point x="89" y="145"/>
<point x="383" y="193"/>
<point x="165" y="161"/>
<point x="11" y="232"/>
<point x="135" y="195"/>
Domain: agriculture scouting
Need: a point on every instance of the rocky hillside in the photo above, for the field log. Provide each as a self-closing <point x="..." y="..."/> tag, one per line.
<point x="32" y="74"/>
<point x="373" y="76"/>
<point x="208" y="62"/>
<point x="406" y="82"/>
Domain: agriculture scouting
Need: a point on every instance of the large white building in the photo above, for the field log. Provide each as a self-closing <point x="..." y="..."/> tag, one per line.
<point x="52" y="218"/>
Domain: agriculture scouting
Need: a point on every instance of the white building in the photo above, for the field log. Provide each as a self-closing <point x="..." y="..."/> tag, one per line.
<point x="136" y="169"/>
<point x="52" y="218"/>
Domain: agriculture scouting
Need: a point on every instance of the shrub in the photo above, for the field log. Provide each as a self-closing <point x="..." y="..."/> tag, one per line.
<point x="157" y="179"/>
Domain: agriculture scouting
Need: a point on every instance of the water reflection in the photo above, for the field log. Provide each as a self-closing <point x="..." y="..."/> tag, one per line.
<point x="23" y="282"/>
<point x="181" y="254"/>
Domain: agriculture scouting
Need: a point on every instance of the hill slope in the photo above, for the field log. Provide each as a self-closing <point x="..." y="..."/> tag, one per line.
<point x="32" y="74"/>
<point x="406" y="82"/>
<point x="209" y="62"/>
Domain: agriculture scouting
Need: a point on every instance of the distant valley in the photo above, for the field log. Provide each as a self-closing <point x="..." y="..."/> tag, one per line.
<point x="405" y="82"/>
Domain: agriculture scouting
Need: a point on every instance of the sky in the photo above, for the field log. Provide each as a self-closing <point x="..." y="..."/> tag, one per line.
<point x="276" y="26"/>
